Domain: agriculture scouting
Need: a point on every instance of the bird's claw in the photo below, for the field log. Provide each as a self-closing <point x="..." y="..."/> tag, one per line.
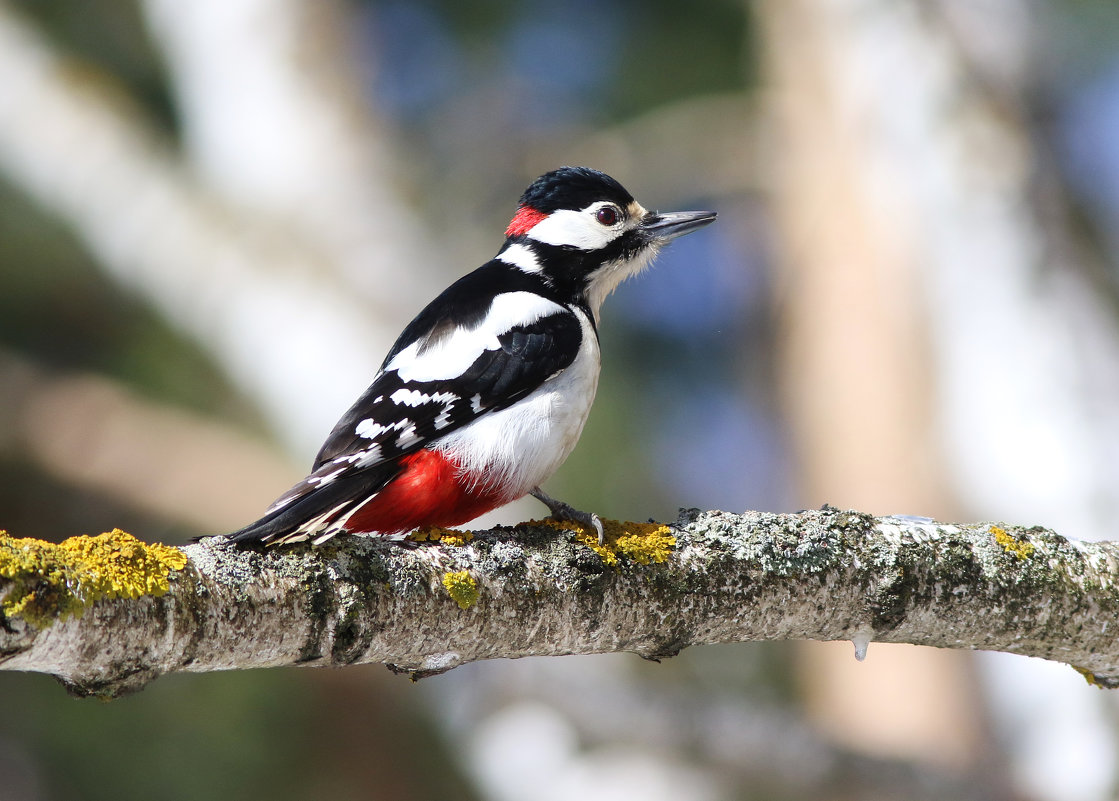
<point x="564" y="511"/>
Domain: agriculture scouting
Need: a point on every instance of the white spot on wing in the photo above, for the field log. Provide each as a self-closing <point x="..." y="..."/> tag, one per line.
<point x="444" y="418"/>
<point x="326" y="478"/>
<point x="409" y="397"/>
<point x="414" y="397"/>
<point x="408" y="437"/>
<point x="370" y="455"/>
<point x="369" y="428"/>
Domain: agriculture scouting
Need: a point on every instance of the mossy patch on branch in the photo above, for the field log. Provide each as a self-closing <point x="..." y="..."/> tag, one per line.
<point x="53" y="581"/>
<point x="644" y="543"/>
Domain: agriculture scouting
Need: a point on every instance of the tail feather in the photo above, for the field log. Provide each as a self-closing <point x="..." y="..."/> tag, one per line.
<point x="312" y="508"/>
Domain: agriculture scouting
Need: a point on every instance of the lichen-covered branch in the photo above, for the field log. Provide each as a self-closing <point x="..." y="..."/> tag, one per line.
<point x="108" y="614"/>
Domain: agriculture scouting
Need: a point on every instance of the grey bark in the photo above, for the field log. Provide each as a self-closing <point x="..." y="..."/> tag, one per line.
<point x="822" y="575"/>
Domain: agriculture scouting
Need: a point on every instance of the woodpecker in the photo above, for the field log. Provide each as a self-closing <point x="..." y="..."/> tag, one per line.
<point x="486" y="391"/>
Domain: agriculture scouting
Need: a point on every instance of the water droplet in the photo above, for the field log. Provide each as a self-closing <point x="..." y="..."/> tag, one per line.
<point x="861" y="641"/>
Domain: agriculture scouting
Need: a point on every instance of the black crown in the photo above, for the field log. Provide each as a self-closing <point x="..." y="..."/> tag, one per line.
<point x="573" y="188"/>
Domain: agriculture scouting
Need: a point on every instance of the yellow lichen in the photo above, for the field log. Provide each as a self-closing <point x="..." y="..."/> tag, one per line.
<point x="1088" y="675"/>
<point x="644" y="543"/>
<point x="446" y="536"/>
<point x="1023" y="548"/>
<point x="652" y="542"/>
<point x="54" y="581"/>
<point x="462" y="587"/>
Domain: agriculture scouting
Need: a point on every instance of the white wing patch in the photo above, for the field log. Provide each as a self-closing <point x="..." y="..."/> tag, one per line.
<point x="451" y="356"/>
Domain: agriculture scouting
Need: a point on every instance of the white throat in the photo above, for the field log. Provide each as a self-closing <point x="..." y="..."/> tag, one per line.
<point x="606" y="278"/>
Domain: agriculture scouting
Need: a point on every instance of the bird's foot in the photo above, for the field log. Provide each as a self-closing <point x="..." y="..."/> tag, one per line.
<point x="564" y="511"/>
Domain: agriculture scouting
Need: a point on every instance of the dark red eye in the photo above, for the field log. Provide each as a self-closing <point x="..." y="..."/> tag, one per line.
<point x="607" y="215"/>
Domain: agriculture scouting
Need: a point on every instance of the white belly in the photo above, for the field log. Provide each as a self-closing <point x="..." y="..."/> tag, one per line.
<point x="518" y="448"/>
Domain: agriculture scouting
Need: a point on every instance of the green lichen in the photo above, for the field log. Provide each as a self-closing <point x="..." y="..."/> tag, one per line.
<point x="644" y="543"/>
<point x="1022" y="548"/>
<point x="54" y="581"/>
<point x="462" y="587"/>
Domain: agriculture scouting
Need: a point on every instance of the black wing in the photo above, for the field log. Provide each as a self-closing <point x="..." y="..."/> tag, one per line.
<point x="396" y="416"/>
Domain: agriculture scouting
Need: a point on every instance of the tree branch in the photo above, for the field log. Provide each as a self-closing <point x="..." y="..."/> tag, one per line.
<point x="108" y="614"/>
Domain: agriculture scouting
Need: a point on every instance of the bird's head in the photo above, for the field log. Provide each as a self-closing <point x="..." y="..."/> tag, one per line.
<point x="582" y="232"/>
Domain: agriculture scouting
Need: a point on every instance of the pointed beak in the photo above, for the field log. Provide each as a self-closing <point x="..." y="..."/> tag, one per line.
<point x="664" y="226"/>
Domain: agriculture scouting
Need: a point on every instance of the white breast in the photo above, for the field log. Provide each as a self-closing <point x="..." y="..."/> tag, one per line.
<point x="519" y="448"/>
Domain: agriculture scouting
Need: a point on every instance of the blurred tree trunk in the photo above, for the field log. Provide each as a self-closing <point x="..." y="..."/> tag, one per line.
<point x="924" y="249"/>
<point x="856" y="361"/>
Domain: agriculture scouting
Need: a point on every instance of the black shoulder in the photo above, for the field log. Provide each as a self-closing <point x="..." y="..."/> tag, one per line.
<point x="465" y="303"/>
<point x="404" y="410"/>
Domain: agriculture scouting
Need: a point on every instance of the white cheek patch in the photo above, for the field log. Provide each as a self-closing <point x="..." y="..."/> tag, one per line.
<point x="577" y="229"/>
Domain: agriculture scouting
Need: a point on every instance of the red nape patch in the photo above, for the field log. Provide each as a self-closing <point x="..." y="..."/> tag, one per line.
<point x="430" y="491"/>
<point x="523" y="220"/>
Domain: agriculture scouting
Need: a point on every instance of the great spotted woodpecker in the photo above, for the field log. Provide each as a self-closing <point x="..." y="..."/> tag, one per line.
<point x="485" y="393"/>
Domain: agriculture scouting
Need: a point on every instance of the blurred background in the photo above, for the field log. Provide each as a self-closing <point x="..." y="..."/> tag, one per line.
<point x="215" y="217"/>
